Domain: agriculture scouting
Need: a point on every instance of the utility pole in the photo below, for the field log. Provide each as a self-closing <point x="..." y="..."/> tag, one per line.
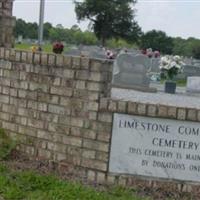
<point x="41" y="23"/>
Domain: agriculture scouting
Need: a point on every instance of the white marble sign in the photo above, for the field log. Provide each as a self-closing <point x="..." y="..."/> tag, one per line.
<point x="155" y="147"/>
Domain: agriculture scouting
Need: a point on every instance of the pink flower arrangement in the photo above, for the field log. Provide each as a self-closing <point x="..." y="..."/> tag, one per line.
<point x="109" y="54"/>
<point x="58" y="47"/>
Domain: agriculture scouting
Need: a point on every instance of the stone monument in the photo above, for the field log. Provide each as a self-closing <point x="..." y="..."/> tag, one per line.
<point x="7" y="23"/>
<point x="130" y="72"/>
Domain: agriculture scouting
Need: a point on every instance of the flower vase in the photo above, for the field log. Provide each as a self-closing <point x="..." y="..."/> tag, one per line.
<point x="170" y="87"/>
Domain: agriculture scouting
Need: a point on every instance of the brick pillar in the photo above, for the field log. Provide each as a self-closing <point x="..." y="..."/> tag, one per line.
<point x="7" y="23"/>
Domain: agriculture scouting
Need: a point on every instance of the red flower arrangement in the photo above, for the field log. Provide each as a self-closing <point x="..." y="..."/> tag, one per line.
<point x="58" y="47"/>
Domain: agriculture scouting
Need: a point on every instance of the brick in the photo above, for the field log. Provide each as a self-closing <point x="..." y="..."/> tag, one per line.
<point x="93" y="96"/>
<point x="38" y="87"/>
<point x="152" y="110"/>
<point x="132" y="108"/>
<point x="92" y="86"/>
<point x="112" y="106"/>
<point x="94" y="164"/>
<point x="103" y="136"/>
<point x="122" y="106"/>
<point x="77" y="122"/>
<point x="42" y="106"/>
<point x="4" y="116"/>
<point x="74" y="141"/>
<point x="162" y="111"/>
<point x="74" y="151"/>
<point x="67" y="61"/>
<point x="90" y="134"/>
<point x="32" y="104"/>
<point x="141" y="109"/>
<point x="36" y="58"/>
<point x="93" y="106"/>
<point x="96" y="65"/>
<point x="61" y="91"/>
<point x="9" y="108"/>
<point x="67" y="73"/>
<point x="101" y="177"/>
<point x="88" y="154"/>
<point x="17" y="56"/>
<point x="48" y="117"/>
<point x="59" y="60"/>
<point x="102" y="156"/>
<point x="105" y="117"/>
<point x="58" y="110"/>
<point x="65" y="101"/>
<point x="36" y="123"/>
<point x="51" y="59"/>
<point x="198" y="115"/>
<point x="80" y="84"/>
<point x="96" y="76"/>
<point x="92" y="115"/>
<point x="85" y="63"/>
<point x="181" y="114"/>
<point x="76" y="62"/>
<point x="24" y="56"/>
<point x="82" y="74"/>
<point x="44" y="59"/>
<point x="95" y="145"/>
<point x="192" y="115"/>
<point x="9" y="126"/>
<point x="91" y="175"/>
<point x="172" y="111"/>
<point x="42" y="153"/>
<point x="111" y="179"/>
<point x="103" y="104"/>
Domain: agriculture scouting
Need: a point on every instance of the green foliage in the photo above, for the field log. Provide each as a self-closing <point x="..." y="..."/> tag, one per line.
<point x="157" y="40"/>
<point x="196" y="50"/>
<point x="27" y="30"/>
<point x="120" y="43"/>
<point x="32" y="186"/>
<point x="6" y="145"/>
<point x="187" y="47"/>
<point x="113" y="18"/>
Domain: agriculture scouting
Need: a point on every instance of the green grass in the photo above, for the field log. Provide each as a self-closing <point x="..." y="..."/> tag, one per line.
<point x="28" y="185"/>
<point x="46" y="48"/>
<point x="179" y="83"/>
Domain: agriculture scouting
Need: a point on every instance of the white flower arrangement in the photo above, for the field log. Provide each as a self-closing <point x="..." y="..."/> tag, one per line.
<point x="170" y="66"/>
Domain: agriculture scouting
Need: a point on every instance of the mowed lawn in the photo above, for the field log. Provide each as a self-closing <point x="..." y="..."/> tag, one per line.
<point x="29" y="185"/>
<point x="46" y="48"/>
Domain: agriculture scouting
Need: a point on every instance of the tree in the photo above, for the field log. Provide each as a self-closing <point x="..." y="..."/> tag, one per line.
<point x="111" y="19"/>
<point x="47" y="27"/>
<point x="20" y="28"/>
<point x="196" y="50"/>
<point x="157" y="40"/>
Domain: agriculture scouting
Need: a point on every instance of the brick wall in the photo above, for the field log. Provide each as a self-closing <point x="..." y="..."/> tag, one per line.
<point x="7" y="22"/>
<point x="59" y="108"/>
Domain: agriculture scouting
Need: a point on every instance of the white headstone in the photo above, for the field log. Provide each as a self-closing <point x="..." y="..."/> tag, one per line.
<point x="193" y="84"/>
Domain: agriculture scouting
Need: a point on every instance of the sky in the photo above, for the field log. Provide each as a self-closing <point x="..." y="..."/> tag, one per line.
<point x="178" y="18"/>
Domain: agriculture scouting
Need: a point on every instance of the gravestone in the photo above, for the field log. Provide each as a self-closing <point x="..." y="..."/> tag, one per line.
<point x="130" y="71"/>
<point x="193" y="84"/>
<point x="188" y="70"/>
<point x="155" y="62"/>
<point x="93" y="52"/>
<point x="73" y="52"/>
<point x="88" y="51"/>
